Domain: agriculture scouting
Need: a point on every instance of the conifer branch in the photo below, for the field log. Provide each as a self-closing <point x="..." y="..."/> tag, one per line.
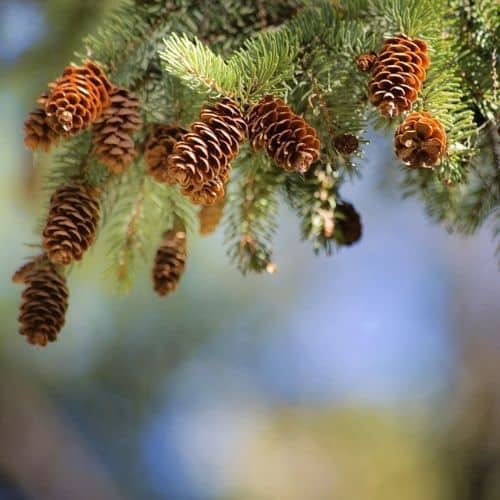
<point x="252" y="212"/>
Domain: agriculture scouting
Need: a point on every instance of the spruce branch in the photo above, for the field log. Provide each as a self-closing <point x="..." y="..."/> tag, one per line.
<point x="197" y="66"/>
<point x="314" y="197"/>
<point x="252" y="208"/>
<point x="265" y="64"/>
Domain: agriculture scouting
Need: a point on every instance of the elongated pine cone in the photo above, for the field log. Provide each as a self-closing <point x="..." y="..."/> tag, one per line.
<point x="44" y="302"/>
<point x="71" y="224"/>
<point x="287" y="137"/>
<point x="420" y="141"/>
<point x="201" y="161"/>
<point x="398" y="74"/>
<point x="159" y="146"/>
<point x="348" y="228"/>
<point x="170" y="261"/>
<point x="77" y="98"/>
<point x="112" y="139"/>
<point x="210" y="217"/>
<point x="37" y="132"/>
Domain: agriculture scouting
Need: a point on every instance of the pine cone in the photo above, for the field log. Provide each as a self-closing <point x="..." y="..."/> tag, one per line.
<point x="398" y="74"/>
<point x="420" y="141"/>
<point x="286" y="137"/>
<point x="44" y="304"/>
<point x="365" y="62"/>
<point x="348" y="228"/>
<point x="159" y="146"/>
<point x="112" y="131"/>
<point x="201" y="160"/>
<point x="71" y="224"/>
<point x="210" y="217"/>
<point x="170" y="262"/>
<point x="37" y="131"/>
<point x="346" y="144"/>
<point x="77" y="98"/>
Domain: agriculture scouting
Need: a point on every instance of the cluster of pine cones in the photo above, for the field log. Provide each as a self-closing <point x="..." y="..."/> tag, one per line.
<point x="198" y="159"/>
<point x="397" y="74"/>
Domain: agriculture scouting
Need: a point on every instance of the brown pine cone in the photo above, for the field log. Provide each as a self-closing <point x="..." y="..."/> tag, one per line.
<point x="71" y="224"/>
<point x="348" y="228"/>
<point x="398" y="74"/>
<point x="210" y="216"/>
<point x="287" y="138"/>
<point x="37" y="132"/>
<point x="159" y="146"/>
<point x="77" y="98"/>
<point x="44" y="304"/>
<point x="170" y="261"/>
<point x="112" y="132"/>
<point x="201" y="160"/>
<point x="365" y="62"/>
<point x="346" y="144"/>
<point x="420" y="141"/>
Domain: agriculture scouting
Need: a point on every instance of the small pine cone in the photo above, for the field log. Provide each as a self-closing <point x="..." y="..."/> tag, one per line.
<point x="37" y="131"/>
<point x="44" y="304"/>
<point x="398" y="74"/>
<point x="159" y="146"/>
<point x="365" y="62"/>
<point x="112" y="131"/>
<point x="201" y="160"/>
<point x="71" y="224"/>
<point x="286" y="137"/>
<point x="346" y="144"/>
<point x="348" y="228"/>
<point x="77" y="98"/>
<point x="420" y="141"/>
<point x="170" y="261"/>
<point x="210" y="217"/>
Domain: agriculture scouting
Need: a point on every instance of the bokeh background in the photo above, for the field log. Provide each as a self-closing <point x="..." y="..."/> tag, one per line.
<point x="372" y="374"/>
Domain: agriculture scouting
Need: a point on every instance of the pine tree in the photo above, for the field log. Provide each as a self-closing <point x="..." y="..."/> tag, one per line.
<point x="252" y="101"/>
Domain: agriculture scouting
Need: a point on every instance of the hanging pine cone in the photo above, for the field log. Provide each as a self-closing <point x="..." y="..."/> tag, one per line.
<point x="287" y="138"/>
<point x="77" y="98"/>
<point x="420" y="141"/>
<point x="365" y="62"/>
<point x="348" y="228"/>
<point x="44" y="303"/>
<point x="210" y="216"/>
<point x="71" y="224"/>
<point x="37" y="132"/>
<point x="398" y="74"/>
<point x="112" y="132"/>
<point x="170" y="261"/>
<point x="346" y="144"/>
<point x="159" y="146"/>
<point x="201" y="160"/>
